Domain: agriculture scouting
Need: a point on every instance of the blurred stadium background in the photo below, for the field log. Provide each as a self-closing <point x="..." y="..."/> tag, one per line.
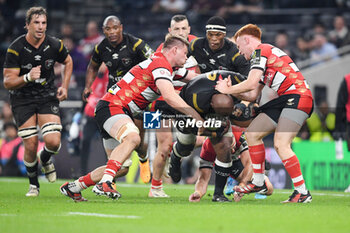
<point x="289" y="24"/>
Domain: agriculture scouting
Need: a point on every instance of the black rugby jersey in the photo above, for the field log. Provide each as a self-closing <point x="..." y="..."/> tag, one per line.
<point x="226" y="58"/>
<point x="198" y="92"/>
<point x="22" y="55"/>
<point x="122" y="58"/>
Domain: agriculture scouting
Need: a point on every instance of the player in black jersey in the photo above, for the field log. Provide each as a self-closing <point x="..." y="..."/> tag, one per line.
<point x="200" y="94"/>
<point x="29" y="77"/>
<point x="215" y="52"/>
<point x="119" y="51"/>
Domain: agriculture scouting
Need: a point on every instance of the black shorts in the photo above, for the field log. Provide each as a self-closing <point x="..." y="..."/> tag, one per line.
<point x="274" y="108"/>
<point x="23" y="109"/>
<point x="103" y="112"/>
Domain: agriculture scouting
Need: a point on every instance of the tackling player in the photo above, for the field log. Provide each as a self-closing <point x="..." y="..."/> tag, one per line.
<point x="242" y="169"/>
<point x="178" y="26"/>
<point x="284" y="115"/>
<point x="143" y="84"/>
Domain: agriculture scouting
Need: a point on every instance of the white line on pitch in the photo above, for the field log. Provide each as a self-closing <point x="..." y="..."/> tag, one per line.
<point x="104" y="215"/>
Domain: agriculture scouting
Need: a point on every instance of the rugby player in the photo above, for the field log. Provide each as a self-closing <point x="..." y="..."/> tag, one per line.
<point x="29" y="77"/>
<point x="284" y="115"/>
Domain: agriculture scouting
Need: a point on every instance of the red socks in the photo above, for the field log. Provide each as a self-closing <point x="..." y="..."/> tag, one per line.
<point x="257" y="155"/>
<point x="292" y="166"/>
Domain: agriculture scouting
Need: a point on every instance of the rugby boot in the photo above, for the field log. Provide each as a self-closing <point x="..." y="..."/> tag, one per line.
<point x="297" y="197"/>
<point x="77" y="197"/>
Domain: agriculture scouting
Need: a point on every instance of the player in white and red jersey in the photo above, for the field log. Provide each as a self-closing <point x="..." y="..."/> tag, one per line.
<point x="179" y="26"/>
<point x="114" y="113"/>
<point x="241" y="167"/>
<point x="284" y="115"/>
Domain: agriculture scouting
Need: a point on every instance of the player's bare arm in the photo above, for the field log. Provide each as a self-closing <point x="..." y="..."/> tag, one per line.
<point x="174" y="100"/>
<point x="247" y="172"/>
<point x="201" y="185"/>
<point x="12" y="79"/>
<point x="62" y="92"/>
<point x="91" y="73"/>
<point x="225" y="86"/>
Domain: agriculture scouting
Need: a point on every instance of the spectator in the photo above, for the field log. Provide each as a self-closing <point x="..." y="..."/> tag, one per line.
<point x="203" y="7"/>
<point x="321" y="124"/>
<point x="303" y="50"/>
<point x="66" y="30"/>
<point x="92" y="38"/>
<point x="170" y="6"/>
<point x="340" y="35"/>
<point x="322" y="50"/>
<point x="80" y="64"/>
<point x="282" y="42"/>
<point x="8" y="152"/>
<point x="235" y="7"/>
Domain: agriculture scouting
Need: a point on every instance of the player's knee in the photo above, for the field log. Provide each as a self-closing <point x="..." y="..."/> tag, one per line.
<point x="53" y="143"/>
<point x="183" y="150"/>
<point x="165" y="148"/>
<point x="129" y="130"/>
<point x="280" y="145"/>
<point x="133" y="139"/>
<point x="184" y="145"/>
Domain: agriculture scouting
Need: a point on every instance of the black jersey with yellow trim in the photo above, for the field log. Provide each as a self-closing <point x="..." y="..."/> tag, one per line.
<point x="226" y="58"/>
<point x="23" y="56"/>
<point x="199" y="91"/>
<point x="120" y="59"/>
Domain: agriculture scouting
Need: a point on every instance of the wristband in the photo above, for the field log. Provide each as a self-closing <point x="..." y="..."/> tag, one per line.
<point x="27" y="78"/>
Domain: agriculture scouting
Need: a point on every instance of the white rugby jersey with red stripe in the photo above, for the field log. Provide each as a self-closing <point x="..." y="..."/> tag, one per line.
<point x="280" y="72"/>
<point x="138" y="87"/>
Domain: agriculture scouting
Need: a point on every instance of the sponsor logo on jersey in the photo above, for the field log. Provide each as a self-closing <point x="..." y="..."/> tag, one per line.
<point x="46" y="48"/>
<point x="115" y="55"/>
<point x="37" y="58"/>
<point x="27" y="49"/>
<point x="28" y="66"/>
<point x="212" y="61"/>
<point x="126" y="61"/>
<point x="123" y="47"/>
<point x="221" y="55"/>
<point x="256" y="57"/>
<point x="49" y="63"/>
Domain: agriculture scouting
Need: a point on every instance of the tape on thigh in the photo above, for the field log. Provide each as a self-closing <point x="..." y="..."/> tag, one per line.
<point x="28" y="132"/>
<point x="125" y="130"/>
<point x="51" y="127"/>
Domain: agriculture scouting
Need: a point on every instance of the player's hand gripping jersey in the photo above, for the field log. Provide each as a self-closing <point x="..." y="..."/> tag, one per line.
<point x="199" y="91"/>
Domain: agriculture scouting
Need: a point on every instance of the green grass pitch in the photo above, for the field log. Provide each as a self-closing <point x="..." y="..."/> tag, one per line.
<point x="52" y="212"/>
